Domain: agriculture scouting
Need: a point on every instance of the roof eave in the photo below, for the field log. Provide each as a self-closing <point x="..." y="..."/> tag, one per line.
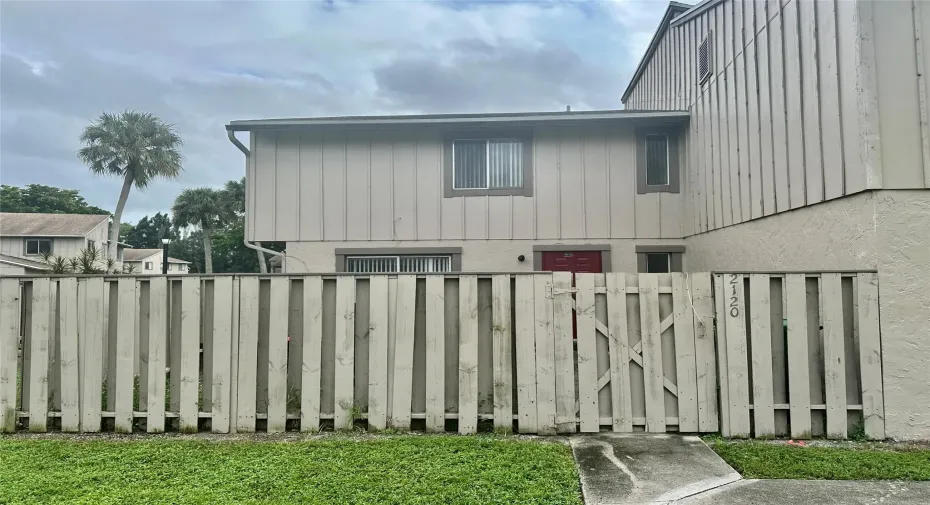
<point x="452" y="120"/>
<point x="670" y="12"/>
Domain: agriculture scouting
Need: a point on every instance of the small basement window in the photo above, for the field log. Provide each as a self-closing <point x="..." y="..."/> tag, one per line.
<point x="658" y="263"/>
<point x="398" y="264"/>
<point x="37" y="246"/>
<point x="661" y="259"/>
<point x="705" y="63"/>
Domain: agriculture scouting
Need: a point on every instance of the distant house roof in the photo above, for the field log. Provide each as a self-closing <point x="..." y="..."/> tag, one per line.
<point x="133" y="255"/>
<point x="674" y="9"/>
<point x="23" y="262"/>
<point x="506" y="118"/>
<point x="13" y="224"/>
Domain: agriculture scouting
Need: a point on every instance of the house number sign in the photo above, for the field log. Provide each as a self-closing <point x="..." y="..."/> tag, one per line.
<point x="734" y="299"/>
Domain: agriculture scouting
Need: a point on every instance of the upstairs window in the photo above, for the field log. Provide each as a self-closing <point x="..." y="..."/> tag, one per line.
<point x="657" y="169"/>
<point x="37" y="246"/>
<point x="657" y="160"/>
<point x="148" y="265"/>
<point x="705" y="59"/>
<point x="479" y="164"/>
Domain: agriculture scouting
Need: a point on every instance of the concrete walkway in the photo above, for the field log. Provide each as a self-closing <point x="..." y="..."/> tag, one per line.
<point x="645" y="469"/>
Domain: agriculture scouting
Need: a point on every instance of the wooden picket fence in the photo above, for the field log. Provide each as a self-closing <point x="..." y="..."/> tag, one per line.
<point x="801" y="355"/>
<point x="538" y="353"/>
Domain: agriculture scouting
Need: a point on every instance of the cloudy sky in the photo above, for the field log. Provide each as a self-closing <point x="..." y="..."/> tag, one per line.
<point x="200" y="64"/>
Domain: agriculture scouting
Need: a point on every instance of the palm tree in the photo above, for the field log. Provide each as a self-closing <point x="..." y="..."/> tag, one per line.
<point x="234" y="195"/>
<point x="136" y="146"/>
<point x="202" y="207"/>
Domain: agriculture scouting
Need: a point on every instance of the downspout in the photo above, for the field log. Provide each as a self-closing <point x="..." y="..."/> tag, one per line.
<point x="245" y="150"/>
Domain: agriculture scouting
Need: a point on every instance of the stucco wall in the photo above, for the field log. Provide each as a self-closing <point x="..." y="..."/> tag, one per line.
<point x="835" y="235"/>
<point x="477" y="256"/>
<point x="903" y="219"/>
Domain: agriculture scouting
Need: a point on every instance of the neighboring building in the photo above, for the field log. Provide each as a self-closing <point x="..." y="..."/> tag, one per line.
<point x="776" y="135"/>
<point x="14" y="265"/>
<point x="28" y="236"/>
<point x="149" y="262"/>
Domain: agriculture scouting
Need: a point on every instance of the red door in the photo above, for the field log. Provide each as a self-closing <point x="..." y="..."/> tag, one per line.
<point x="572" y="261"/>
<point x="575" y="262"/>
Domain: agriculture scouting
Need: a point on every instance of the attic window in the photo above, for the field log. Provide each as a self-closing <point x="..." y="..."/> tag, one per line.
<point x="704" y="59"/>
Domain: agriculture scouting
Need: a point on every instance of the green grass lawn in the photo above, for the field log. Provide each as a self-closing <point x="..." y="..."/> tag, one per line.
<point x="766" y="460"/>
<point x="338" y="470"/>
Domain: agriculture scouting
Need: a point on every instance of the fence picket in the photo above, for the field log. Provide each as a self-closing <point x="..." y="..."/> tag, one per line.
<point x="468" y="354"/>
<point x="704" y="352"/>
<point x="68" y="354"/>
<point x="619" y="348"/>
<point x="10" y="294"/>
<point x="798" y="376"/>
<point x="312" y="359"/>
<point x="686" y="371"/>
<point x="125" y="353"/>
<point x="91" y="351"/>
<point x="222" y="348"/>
<point x="587" y="354"/>
<point x="38" y="337"/>
<point x="870" y="357"/>
<point x="564" y="352"/>
<point x="720" y="298"/>
<point x="502" y="350"/>
<point x="525" y="353"/>
<point x="248" y="354"/>
<point x="188" y="414"/>
<point x="546" y="372"/>
<point x="158" y="349"/>
<point x="834" y="354"/>
<point x="737" y="360"/>
<point x="435" y="353"/>
<point x="344" y="399"/>
<point x="378" y="352"/>
<point x="277" y="352"/>
<point x="401" y="399"/>
<point x="760" y="331"/>
<point x="652" y="352"/>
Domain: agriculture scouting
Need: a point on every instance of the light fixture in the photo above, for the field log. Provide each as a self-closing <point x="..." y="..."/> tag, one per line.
<point x="165" y="241"/>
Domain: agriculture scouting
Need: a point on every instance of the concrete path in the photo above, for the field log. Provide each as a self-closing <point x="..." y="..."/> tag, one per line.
<point x="645" y="469"/>
<point x="821" y="492"/>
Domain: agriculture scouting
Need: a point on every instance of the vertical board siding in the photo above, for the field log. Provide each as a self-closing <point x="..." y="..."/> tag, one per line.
<point x="491" y="348"/>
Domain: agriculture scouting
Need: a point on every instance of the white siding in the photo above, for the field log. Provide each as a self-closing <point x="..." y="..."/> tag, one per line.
<point x="377" y="186"/>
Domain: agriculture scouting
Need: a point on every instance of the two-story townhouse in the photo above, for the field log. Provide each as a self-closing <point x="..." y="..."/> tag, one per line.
<point x="769" y="135"/>
<point x="151" y="262"/>
<point x="26" y="237"/>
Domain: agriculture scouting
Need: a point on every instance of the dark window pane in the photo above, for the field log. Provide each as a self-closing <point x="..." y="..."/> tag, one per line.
<point x="469" y="161"/>
<point x="656" y="160"/>
<point x="657" y="263"/>
<point x="45" y="246"/>
<point x="32" y="247"/>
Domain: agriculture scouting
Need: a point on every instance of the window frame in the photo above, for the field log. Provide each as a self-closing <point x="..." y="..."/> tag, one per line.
<point x="342" y="254"/>
<point x="524" y="136"/>
<point x="672" y="160"/>
<point x="148" y="265"/>
<point x="668" y="165"/>
<point x="675" y="257"/>
<point x="51" y="245"/>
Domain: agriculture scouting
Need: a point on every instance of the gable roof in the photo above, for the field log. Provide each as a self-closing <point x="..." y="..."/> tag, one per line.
<point x="673" y="10"/>
<point x="133" y="255"/>
<point x="14" y="224"/>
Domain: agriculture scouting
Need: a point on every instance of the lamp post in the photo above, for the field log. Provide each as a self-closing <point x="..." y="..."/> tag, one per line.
<point x="164" y="255"/>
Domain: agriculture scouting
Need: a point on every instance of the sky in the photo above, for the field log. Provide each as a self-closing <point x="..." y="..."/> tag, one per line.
<point x="198" y="65"/>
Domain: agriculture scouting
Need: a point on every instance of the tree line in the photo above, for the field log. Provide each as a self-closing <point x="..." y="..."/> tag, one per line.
<point x="206" y="225"/>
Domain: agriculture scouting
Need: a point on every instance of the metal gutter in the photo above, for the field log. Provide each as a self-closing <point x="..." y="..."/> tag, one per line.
<point x="449" y="119"/>
<point x="245" y="241"/>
